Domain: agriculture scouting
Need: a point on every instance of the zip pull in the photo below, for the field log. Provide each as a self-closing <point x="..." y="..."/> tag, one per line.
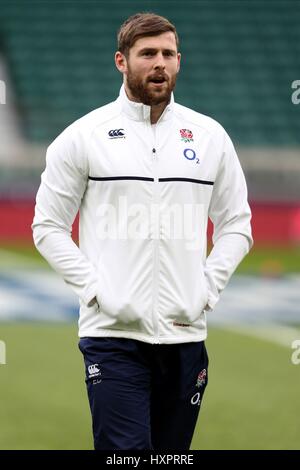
<point x="153" y="150"/>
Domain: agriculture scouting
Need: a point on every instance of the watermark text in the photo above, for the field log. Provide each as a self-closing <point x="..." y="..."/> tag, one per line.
<point x="2" y="352"/>
<point x="296" y="94"/>
<point x="128" y="221"/>
<point x="2" y="92"/>
<point x="295" y="358"/>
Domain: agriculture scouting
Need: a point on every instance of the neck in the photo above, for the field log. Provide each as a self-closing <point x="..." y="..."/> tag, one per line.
<point x="156" y="112"/>
<point x="156" y="109"/>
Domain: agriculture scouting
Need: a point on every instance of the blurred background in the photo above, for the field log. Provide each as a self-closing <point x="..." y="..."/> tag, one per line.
<point x="240" y="61"/>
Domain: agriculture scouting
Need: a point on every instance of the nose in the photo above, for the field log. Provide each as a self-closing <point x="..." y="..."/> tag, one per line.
<point x="159" y="62"/>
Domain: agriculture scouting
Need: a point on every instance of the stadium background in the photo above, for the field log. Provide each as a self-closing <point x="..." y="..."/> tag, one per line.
<point x="239" y="61"/>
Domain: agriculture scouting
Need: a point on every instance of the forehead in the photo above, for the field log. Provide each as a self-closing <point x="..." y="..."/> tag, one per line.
<point x="162" y="41"/>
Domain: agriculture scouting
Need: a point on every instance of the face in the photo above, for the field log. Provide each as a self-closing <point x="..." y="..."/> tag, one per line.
<point x="151" y="69"/>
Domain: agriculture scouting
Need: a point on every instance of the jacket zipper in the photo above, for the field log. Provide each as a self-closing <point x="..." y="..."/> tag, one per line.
<point x="156" y="247"/>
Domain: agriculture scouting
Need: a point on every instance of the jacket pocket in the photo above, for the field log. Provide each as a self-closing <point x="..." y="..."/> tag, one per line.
<point x="204" y="295"/>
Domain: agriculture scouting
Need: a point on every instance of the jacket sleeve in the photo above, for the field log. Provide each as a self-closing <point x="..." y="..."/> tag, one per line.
<point x="230" y="214"/>
<point x="58" y="199"/>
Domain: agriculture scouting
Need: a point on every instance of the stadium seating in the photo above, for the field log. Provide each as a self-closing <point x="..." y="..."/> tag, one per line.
<point x="239" y="60"/>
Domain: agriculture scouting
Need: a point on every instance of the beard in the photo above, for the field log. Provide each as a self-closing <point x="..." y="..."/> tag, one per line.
<point x="142" y="91"/>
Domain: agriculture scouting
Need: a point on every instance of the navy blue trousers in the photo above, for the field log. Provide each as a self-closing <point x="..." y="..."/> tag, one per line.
<point x="144" y="396"/>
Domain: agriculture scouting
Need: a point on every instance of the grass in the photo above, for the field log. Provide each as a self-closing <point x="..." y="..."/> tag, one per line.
<point x="271" y="260"/>
<point x="251" y="402"/>
<point x="43" y="402"/>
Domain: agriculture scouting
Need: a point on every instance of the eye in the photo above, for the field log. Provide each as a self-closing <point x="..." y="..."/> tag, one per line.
<point x="169" y="53"/>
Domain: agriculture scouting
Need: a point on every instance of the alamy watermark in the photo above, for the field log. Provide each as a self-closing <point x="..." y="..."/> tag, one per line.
<point x="295" y="358"/>
<point x="2" y="92"/>
<point x="296" y="94"/>
<point x="126" y="221"/>
<point x="2" y="353"/>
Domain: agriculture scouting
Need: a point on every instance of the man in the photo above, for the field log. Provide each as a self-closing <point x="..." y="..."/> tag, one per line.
<point x="146" y="173"/>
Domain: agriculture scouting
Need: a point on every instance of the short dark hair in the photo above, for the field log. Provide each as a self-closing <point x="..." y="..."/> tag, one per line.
<point x="142" y="25"/>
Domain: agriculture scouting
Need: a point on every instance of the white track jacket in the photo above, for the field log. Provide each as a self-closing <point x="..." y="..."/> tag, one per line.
<point x="144" y="195"/>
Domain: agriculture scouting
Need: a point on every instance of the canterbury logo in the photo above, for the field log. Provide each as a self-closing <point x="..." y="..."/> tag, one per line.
<point x="116" y="133"/>
<point x="93" y="370"/>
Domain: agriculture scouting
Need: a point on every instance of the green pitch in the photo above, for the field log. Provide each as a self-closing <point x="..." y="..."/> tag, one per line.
<point x="252" y="400"/>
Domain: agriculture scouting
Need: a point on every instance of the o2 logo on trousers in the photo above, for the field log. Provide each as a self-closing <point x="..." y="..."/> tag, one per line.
<point x="196" y="399"/>
<point x="190" y="154"/>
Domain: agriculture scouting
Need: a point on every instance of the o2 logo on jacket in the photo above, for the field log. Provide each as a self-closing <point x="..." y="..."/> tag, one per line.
<point x="190" y="154"/>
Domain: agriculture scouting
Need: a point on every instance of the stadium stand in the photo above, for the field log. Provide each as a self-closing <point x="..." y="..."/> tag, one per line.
<point x="239" y="61"/>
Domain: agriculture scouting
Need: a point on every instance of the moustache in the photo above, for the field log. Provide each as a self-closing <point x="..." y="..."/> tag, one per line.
<point x="158" y="78"/>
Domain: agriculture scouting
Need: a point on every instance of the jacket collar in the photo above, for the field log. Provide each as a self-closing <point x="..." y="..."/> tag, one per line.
<point x="140" y="111"/>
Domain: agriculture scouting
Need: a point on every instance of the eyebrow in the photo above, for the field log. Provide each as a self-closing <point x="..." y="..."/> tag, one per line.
<point x="153" y="50"/>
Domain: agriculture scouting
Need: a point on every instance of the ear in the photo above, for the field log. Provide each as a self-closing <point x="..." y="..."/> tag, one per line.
<point x="178" y="63"/>
<point x="121" y="62"/>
